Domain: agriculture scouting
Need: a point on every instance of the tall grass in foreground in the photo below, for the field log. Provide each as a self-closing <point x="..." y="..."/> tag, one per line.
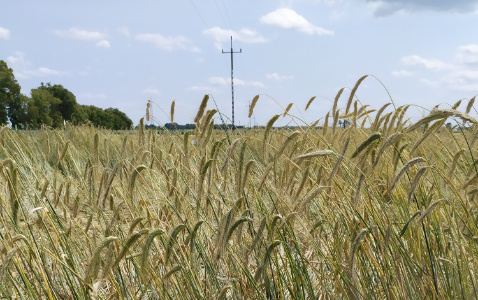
<point x="383" y="212"/>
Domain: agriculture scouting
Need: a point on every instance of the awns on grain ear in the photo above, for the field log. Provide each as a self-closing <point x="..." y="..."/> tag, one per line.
<point x="201" y="109"/>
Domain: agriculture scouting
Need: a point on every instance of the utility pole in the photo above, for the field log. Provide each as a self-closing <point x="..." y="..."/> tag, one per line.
<point x="232" y="78"/>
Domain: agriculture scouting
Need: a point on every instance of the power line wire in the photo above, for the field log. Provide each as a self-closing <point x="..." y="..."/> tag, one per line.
<point x="220" y="12"/>
<point x="199" y="14"/>
<point x="227" y="14"/>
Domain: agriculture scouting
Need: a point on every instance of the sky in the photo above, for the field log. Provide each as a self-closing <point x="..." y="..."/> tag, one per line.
<point x="122" y="53"/>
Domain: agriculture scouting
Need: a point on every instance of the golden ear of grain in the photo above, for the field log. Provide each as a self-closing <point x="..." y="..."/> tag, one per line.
<point x="314" y="154"/>
<point x="253" y="104"/>
<point x="455" y="106"/>
<point x="429" y="209"/>
<point x="146" y="247"/>
<point x="175" y="269"/>
<point x="368" y="141"/>
<point x="440" y="114"/>
<point x="359" y="188"/>
<point x="400" y="118"/>
<point x="336" y="119"/>
<point x="326" y="124"/>
<point x="437" y="125"/>
<point x="229" y="153"/>
<point x="247" y="169"/>
<point x="334" y="108"/>
<point x="287" y="109"/>
<point x="414" y="184"/>
<point x="93" y="266"/>
<point x="314" y="124"/>
<point x="266" y="133"/>
<point x="405" y="169"/>
<point x="147" y="110"/>
<point x="173" y="104"/>
<point x="339" y="159"/>
<point x="389" y="141"/>
<point x="191" y="237"/>
<point x="131" y="240"/>
<point x="134" y="224"/>
<point x="309" y="103"/>
<point x="172" y="239"/>
<point x="265" y="261"/>
<point x="377" y="117"/>
<point x="201" y="109"/>
<point x="134" y="175"/>
<point x="235" y="225"/>
<point x="352" y="94"/>
<point x="286" y="142"/>
<point x="470" y="105"/>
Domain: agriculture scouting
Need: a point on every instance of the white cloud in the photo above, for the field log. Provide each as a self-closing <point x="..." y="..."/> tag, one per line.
<point x="431" y="64"/>
<point x="167" y="43"/>
<point x="151" y="91"/>
<point x="40" y="72"/>
<point x="276" y="76"/>
<point x="203" y="89"/>
<point x="289" y="19"/>
<point x="23" y="70"/>
<point x="402" y="73"/>
<point x="245" y="35"/>
<point x="461" y="80"/>
<point x="219" y="80"/>
<point x="84" y="35"/>
<point x="4" y="33"/>
<point x="80" y="34"/>
<point x="18" y="58"/>
<point x="461" y="74"/>
<point x="464" y="80"/>
<point x="383" y="8"/>
<point x="103" y="44"/>
<point x="467" y="54"/>
<point x="239" y="82"/>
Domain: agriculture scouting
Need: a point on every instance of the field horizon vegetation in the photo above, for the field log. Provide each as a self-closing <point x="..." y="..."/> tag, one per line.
<point x="383" y="209"/>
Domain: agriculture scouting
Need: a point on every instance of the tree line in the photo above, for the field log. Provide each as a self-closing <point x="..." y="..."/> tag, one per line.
<point x="50" y="105"/>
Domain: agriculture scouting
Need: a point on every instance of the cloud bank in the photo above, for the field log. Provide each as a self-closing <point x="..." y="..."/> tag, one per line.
<point x="168" y="43"/>
<point x="83" y="35"/>
<point x="4" y="33"/>
<point x="289" y="19"/>
<point x="245" y="35"/>
<point x="385" y="8"/>
<point x="458" y="74"/>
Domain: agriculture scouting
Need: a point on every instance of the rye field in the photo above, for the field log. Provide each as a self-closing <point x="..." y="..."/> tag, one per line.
<point x="385" y="208"/>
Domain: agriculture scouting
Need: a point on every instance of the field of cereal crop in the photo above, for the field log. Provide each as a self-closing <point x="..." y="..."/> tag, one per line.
<point x="384" y="208"/>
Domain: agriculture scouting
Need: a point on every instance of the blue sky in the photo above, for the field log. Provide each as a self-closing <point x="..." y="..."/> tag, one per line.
<point x="122" y="53"/>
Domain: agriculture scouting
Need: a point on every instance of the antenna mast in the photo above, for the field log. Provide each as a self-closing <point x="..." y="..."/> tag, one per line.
<point x="232" y="78"/>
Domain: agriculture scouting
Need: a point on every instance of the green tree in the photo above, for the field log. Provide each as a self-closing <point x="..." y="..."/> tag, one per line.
<point x="19" y="111"/>
<point x="119" y="120"/>
<point x="110" y="118"/>
<point x="45" y="112"/>
<point x="68" y="105"/>
<point x="9" y="90"/>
